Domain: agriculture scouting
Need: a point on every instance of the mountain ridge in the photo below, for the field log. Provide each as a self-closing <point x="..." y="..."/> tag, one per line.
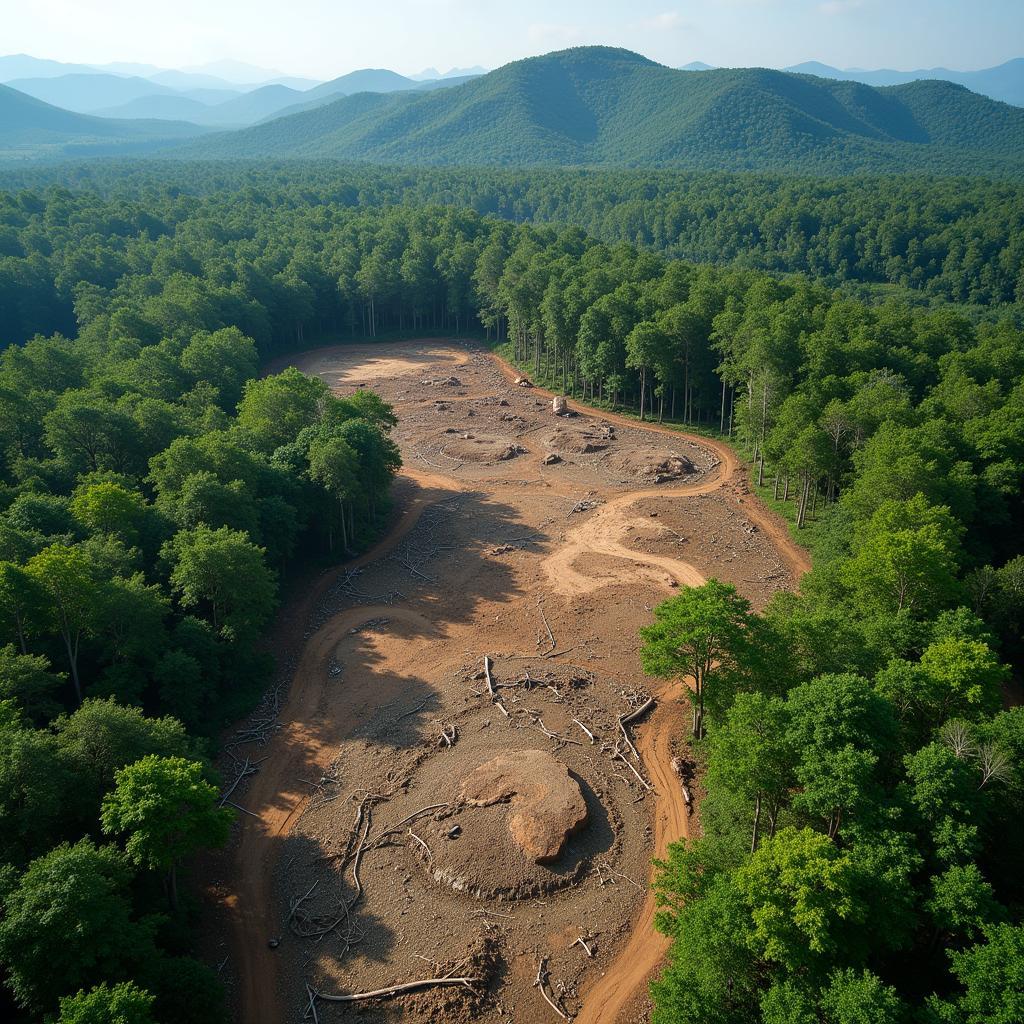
<point x="601" y="105"/>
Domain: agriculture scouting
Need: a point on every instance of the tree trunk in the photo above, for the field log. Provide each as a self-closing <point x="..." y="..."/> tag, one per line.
<point x="757" y="822"/>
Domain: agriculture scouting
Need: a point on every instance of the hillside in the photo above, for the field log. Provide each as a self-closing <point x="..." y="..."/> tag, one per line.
<point x="596" y="105"/>
<point x="89" y="93"/>
<point x="32" y="128"/>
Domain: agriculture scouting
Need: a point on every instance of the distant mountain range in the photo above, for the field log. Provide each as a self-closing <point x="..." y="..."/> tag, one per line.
<point x="597" y="105"/>
<point x="585" y="106"/>
<point x="30" y="127"/>
<point x="194" y="94"/>
<point x="1004" y="82"/>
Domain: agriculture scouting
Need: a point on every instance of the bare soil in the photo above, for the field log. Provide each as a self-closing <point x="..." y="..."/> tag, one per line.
<point x="550" y="570"/>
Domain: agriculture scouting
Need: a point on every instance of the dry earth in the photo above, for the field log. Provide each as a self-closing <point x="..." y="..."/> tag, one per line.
<point x="384" y="711"/>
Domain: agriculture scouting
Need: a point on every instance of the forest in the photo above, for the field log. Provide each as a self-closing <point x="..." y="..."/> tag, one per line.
<point x="862" y="820"/>
<point x="932" y="239"/>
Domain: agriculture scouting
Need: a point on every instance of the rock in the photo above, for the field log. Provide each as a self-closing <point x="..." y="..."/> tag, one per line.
<point x="546" y="802"/>
<point x="552" y="459"/>
<point x="524" y="382"/>
<point x="504" y="401"/>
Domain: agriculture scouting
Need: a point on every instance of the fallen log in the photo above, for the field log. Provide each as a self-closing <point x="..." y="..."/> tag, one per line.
<point x="395" y="990"/>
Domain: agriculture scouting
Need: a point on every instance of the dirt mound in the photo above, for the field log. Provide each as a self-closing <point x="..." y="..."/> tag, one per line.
<point x="581" y="440"/>
<point x="546" y="801"/>
<point x="471" y="447"/>
<point x="659" y="466"/>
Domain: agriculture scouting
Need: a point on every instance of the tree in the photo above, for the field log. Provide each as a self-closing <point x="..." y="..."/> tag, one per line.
<point x="274" y="409"/>
<point x="84" y="427"/>
<point x="798" y="888"/>
<point x="102" y="737"/>
<point x="124" y="1003"/>
<point x="749" y="754"/>
<point x="992" y="976"/>
<point x="700" y="633"/>
<point x="21" y="601"/>
<point x="27" y="681"/>
<point x="333" y="462"/>
<point x="71" y="592"/>
<point x="905" y="558"/>
<point x="837" y="727"/>
<point x="226" y="358"/>
<point x="167" y="810"/>
<point x="68" y="923"/>
<point x="223" y="570"/>
<point x="109" y="507"/>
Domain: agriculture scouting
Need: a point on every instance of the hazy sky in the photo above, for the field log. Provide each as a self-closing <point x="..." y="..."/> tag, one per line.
<point x="325" y="38"/>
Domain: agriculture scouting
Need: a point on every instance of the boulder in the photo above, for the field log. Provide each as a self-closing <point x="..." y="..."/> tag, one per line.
<point x="545" y="801"/>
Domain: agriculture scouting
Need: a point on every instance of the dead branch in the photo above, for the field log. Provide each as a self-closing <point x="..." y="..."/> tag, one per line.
<point x="616" y="753"/>
<point x="540" y="982"/>
<point x="547" y="626"/>
<point x="396" y="990"/>
<point x="586" y="948"/>
<point x="430" y="854"/>
<point x="585" y="729"/>
<point x="487" y="676"/>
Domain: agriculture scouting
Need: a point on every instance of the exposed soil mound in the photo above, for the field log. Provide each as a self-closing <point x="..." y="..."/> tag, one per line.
<point x="658" y="466"/>
<point x="546" y="801"/>
<point x="472" y="447"/>
<point x="581" y="440"/>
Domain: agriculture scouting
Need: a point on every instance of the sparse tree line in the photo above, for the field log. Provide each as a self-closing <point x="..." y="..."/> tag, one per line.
<point x="153" y="490"/>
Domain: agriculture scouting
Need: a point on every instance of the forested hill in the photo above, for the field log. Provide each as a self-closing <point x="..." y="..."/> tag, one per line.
<point x="597" y="105"/>
<point x="32" y="126"/>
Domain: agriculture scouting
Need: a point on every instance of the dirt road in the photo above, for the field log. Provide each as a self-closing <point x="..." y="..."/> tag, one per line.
<point x="507" y="546"/>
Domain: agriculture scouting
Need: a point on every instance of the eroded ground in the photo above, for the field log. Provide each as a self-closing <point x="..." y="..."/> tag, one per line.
<point x="541" y="542"/>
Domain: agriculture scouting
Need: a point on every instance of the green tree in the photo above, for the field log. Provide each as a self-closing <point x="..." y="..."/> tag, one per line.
<point x="68" y="923"/>
<point x="698" y="634"/>
<point x="225" y="572"/>
<point x="168" y="811"/>
<point x="124" y="1003"/>
<point x="71" y="591"/>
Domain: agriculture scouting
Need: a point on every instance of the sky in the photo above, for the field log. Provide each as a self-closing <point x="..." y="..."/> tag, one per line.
<point x="325" y="38"/>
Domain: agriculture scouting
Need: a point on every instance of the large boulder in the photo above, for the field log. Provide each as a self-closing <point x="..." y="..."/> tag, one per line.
<point x="546" y="803"/>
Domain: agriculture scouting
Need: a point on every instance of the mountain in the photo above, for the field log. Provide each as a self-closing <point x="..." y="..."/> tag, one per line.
<point x="254" y="106"/>
<point x="432" y="74"/>
<point x="1004" y="82"/>
<point x="240" y="73"/>
<point x="31" y="128"/>
<point x="235" y="111"/>
<point x="699" y="65"/>
<point x="366" y="80"/>
<point x="597" y="105"/>
<point x="369" y="80"/>
<point x="87" y="93"/>
<point x="21" y="65"/>
<point x="169" y="106"/>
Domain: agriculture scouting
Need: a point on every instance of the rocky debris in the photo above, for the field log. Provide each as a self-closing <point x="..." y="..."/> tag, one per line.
<point x="546" y="803"/>
<point x="551" y="460"/>
<point x="501" y="549"/>
<point x="503" y="401"/>
<point x="523" y="382"/>
<point x="672" y="468"/>
<point x="510" y="452"/>
<point x="441" y="382"/>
